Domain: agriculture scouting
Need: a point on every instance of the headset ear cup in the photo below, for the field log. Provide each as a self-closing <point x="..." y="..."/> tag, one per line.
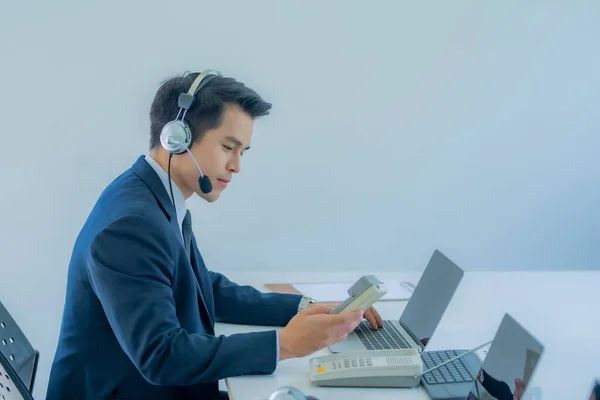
<point x="175" y="136"/>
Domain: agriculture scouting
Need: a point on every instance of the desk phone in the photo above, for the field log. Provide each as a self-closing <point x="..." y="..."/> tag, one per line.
<point x="362" y="295"/>
<point x="401" y="368"/>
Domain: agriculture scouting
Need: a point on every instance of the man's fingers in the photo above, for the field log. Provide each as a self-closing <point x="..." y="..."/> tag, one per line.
<point x="377" y="317"/>
<point x="349" y="317"/>
<point x="318" y="309"/>
<point x="332" y="305"/>
<point x="344" y="322"/>
<point x="369" y="316"/>
<point x="352" y="320"/>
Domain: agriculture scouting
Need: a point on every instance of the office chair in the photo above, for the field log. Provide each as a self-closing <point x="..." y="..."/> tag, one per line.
<point x="17" y="350"/>
<point x="11" y="385"/>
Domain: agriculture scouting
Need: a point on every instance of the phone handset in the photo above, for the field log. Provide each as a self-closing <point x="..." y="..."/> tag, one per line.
<point x="362" y="295"/>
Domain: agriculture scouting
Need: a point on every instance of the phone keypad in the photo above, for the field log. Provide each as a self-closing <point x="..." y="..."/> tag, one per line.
<point x="353" y="363"/>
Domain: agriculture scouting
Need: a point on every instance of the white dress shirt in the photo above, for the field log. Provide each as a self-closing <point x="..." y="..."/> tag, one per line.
<point x="180" y="207"/>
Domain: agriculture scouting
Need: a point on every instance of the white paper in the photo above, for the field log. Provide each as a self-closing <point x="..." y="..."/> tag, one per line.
<point x="334" y="292"/>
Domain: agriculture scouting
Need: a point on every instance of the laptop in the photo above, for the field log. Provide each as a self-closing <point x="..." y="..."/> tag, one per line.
<point x="504" y="374"/>
<point x="420" y="317"/>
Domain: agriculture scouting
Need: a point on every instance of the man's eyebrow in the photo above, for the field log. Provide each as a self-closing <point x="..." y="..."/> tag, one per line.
<point x="236" y="141"/>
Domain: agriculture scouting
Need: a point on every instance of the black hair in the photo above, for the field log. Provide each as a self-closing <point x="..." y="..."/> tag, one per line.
<point x="207" y="112"/>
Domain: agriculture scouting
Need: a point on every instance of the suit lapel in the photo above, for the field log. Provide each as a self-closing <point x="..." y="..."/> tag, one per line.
<point x="203" y="281"/>
<point x="148" y="175"/>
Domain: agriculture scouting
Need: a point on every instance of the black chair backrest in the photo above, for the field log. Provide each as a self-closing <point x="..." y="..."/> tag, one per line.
<point x="11" y="385"/>
<point x="17" y="350"/>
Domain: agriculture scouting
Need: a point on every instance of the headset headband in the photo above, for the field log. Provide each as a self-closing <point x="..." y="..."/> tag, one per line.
<point x="195" y="88"/>
<point x="186" y="100"/>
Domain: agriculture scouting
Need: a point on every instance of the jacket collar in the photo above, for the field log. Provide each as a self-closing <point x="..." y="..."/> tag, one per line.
<point x="142" y="169"/>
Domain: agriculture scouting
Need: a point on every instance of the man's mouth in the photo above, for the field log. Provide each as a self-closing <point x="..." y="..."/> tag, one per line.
<point x="224" y="182"/>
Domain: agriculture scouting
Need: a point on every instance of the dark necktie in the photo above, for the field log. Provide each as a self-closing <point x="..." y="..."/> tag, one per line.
<point x="200" y="271"/>
<point x="186" y="228"/>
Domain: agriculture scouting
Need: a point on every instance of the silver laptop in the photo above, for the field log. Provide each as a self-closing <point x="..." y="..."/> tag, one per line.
<point x="507" y="369"/>
<point x="420" y="317"/>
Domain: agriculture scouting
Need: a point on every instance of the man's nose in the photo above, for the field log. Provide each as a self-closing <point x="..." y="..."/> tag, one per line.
<point x="234" y="165"/>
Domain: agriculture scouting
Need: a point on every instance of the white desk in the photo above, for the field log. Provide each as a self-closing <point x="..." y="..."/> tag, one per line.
<point x="560" y="308"/>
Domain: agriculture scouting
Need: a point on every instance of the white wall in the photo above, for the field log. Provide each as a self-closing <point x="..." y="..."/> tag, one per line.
<point x="397" y="128"/>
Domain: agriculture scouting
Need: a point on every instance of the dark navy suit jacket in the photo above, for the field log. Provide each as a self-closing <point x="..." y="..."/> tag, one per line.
<point x="139" y="317"/>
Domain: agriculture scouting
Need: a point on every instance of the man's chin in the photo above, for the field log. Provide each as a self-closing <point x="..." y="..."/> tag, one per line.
<point x="210" y="197"/>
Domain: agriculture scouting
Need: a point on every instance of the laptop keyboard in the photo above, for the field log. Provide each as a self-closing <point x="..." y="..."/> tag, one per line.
<point x="385" y="338"/>
<point x="389" y="337"/>
<point x="456" y="371"/>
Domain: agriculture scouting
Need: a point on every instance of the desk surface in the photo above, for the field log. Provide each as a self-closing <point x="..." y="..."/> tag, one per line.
<point x="559" y="308"/>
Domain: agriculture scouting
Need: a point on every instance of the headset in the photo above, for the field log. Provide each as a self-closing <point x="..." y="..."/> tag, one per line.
<point x="176" y="136"/>
<point x="289" y="393"/>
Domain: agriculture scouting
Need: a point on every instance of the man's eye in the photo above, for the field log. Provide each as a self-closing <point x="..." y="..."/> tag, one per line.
<point x="228" y="148"/>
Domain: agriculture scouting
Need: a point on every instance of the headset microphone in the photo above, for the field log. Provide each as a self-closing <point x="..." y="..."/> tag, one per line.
<point x="203" y="181"/>
<point x="205" y="184"/>
<point x="289" y="393"/>
<point x="176" y="136"/>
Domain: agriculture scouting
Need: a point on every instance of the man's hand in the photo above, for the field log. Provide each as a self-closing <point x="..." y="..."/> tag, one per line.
<point x="371" y="314"/>
<point x="314" y="329"/>
<point x="519" y="389"/>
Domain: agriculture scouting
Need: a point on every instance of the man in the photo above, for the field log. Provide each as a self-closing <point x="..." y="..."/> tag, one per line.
<point x="141" y="305"/>
<point x="499" y="389"/>
<point x="595" y="395"/>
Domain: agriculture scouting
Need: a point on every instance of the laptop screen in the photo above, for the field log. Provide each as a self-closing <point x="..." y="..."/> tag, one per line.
<point x="510" y="362"/>
<point x="430" y="298"/>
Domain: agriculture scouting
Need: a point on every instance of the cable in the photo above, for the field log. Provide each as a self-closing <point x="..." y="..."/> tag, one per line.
<point x="171" y="185"/>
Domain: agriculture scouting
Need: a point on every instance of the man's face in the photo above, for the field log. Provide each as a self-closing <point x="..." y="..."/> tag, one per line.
<point x="218" y="154"/>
